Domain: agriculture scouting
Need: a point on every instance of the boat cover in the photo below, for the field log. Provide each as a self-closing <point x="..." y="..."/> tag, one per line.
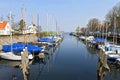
<point x="46" y="39"/>
<point x="18" y="47"/>
<point x="99" y="40"/>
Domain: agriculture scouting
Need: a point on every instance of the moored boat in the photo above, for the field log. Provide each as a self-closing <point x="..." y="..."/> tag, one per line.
<point x="13" y="52"/>
<point x="112" y="51"/>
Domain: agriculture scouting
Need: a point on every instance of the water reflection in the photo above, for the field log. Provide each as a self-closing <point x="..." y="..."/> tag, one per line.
<point x="36" y="69"/>
<point x="10" y="73"/>
<point x="104" y="74"/>
<point x="90" y="50"/>
<point x="39" y="67"/>
<point x="10" y="63"/>
<point x="114" y="72"/>
<point x="101" y="71"/>
<point x="10" y="70"/>
<point x="93" y="51"/>
<point x="72" y="60"/>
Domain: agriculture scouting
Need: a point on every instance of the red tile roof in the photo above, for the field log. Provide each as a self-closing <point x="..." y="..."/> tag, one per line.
<point x="3" y="25"/>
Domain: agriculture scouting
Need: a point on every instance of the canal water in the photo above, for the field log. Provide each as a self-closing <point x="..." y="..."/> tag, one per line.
<point x="71" y="60"/>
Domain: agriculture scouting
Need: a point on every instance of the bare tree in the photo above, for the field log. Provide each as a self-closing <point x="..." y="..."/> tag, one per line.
<point x="22" y="24"/>
<point x="78" y="29"/>
<point x="113" y="16"/>
<point x="93" y="24"/>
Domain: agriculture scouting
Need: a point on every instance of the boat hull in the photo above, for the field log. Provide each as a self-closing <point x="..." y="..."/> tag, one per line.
<point x="11" y="56"/>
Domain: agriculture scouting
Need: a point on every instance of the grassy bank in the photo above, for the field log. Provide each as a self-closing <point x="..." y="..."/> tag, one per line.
<point x="45" y="33"/>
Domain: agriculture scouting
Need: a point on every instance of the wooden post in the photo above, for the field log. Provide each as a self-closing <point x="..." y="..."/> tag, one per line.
<point x="105" y="62"/>
<point x="103" y="59"/>
<point x="25" y="63"/>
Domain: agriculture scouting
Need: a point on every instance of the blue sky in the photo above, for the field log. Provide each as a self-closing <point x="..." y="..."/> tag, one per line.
<point x="68" y="13"/>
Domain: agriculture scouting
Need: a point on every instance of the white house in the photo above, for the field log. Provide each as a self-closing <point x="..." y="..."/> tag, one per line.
<point x="5" y="28"/>
<point x="30" y="29"/>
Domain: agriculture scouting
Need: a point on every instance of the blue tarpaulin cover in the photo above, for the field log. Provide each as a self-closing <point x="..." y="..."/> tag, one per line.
<point x="18" y="47"/>
<point x="99" y="40"/>
<point x="45" y="39"/>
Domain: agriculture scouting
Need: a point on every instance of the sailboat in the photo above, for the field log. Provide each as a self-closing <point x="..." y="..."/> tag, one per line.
<point x="53" y="40"/>
<point x="13" y="50"/>
<point x="8" y="53"/>
<point x="45" y="40"/>
<point x="112" y="50"/>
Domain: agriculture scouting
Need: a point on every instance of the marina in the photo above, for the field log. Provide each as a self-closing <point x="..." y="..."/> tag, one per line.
<point x="72" y="59"/>
<point x="60" y="40"/>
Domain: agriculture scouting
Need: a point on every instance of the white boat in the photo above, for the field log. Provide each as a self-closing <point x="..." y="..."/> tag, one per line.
<point x="112" y="51"/>
<point x="12" y="56"/>
<point x="82" y="38"/>
<point x="111" y="48"/>
<point x="13" y="52"/>
<point x="89" y="38"/>
<point x="8" y="51"/>
<point x="57" y="39"/>
<point x="50" y="41"/>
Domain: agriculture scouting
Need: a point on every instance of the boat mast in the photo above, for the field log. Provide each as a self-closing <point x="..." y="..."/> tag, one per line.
<point x="106" y="25"/>
<point x="39" y="27"/>
<point x="56" y="28"/>
<point x="24" y="27"/>
<point x="33" y="26"/>
<point x="10" y="29"/>
<point x="47" y="24"/>
<point x="103" y="30"/>
<point x="114" y="29"/>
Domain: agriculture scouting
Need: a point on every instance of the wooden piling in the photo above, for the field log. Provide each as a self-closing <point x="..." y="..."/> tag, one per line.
<point x="25" y="63"/>
<point x="103" y="59"/>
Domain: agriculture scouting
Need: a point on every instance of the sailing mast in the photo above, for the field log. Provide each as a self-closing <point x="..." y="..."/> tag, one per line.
<point x="56" y="29"/>
<point x="56" y="26"/>
<point x="106" y="25"/>
<point x="33" y="27"/>
<point x="47" y="24"/>
<point x="10" y="29"/>
<point x="23" y="23"/>
<point x="39" y="27"/>
<point x="114" y="29"/>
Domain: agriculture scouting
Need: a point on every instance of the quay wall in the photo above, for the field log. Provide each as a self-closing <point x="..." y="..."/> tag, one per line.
<point x="17" y="38"/>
